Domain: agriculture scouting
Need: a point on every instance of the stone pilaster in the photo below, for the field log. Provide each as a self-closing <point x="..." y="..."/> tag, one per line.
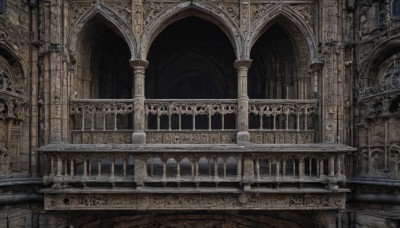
<point x="139" y="67"/>
<point x="242" y="67"/>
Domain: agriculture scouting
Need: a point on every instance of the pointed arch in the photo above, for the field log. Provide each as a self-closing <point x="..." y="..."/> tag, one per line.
<point x="200" y="10"/>
<point x="369" y="66"/>
<point x="11" y="54"/>
<point x="275" y="15"/>
<point x="16" y="67"/>
<point x="112" y="19"/>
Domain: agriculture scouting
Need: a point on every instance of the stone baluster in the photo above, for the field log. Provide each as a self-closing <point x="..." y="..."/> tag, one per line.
<point x="331" y="165"/>
<point x="72" y="167"/>
<point x="139" y="67"/>
<point x="112" y="175"/>
<point x="239" y="167"/>
<point x="301" y="167"/>
<point x="52" y="173"/>
<point x="99" y="168"/>
<point x="178" y="170"/>
<point x="216" y="168"/>
<point x="337" y="165"/>
<point x="242" y="67"/>
<point x="258" y="169"/>
<point x="197" y="169"/>
<point x="125" y="161"/>
<point x="84" y="176"/>
<point x="90" y="168"/>
<point x="278" y="168"/>
<point x="321" y="168"/>
<point x="332" y="180"/>
<point x="284" y="167"/>
<point x="59" y="166"/>
<point x="164" y="177"/>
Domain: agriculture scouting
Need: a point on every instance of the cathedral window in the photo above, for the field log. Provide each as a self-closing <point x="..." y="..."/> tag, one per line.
<point x="396" y="8"/>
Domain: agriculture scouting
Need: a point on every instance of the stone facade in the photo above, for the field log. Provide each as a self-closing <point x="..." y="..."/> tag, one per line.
<point x="202" y="113"/>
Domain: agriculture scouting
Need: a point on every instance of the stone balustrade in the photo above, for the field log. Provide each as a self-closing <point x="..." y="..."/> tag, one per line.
<point x="101" y="121"/>
<point x="170" y="121"/>
<point x="196" y="168"/>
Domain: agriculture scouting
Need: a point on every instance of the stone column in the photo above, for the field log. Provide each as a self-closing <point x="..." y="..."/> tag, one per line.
<point x="242" y="67"/>
<point x="139" y="67"/>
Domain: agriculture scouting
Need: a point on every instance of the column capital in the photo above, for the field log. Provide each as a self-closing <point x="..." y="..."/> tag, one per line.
<point x="138" y="63"/>
<point x="316" y="66"/>
<point x="242" y="63"/>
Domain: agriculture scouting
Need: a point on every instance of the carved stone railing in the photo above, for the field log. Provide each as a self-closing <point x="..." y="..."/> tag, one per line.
<point x="111" y="177"/>
<point x="176" y="167"/>
<point x="191" y="108"/>
<point x="191" y="121"/>
<point x="101" y="121"/>
<point x="282" y="121"/>
<point x="170" y="121"/>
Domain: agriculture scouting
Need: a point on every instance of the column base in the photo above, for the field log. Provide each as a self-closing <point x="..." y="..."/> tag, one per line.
<point x="139" y="138"/>
<point x="243" y="137"/>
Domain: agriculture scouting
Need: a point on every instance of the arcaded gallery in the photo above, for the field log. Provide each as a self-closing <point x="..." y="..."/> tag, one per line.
<point x="200" y="113"/>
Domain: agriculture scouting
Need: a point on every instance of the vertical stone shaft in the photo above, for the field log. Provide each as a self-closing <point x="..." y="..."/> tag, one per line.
<point x="242" y="67"/>
<point x="139" y="67"/>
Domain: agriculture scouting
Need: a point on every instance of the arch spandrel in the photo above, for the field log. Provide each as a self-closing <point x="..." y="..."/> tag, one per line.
<point x="115" y="22"/>
<point x="185" y="9"/>
<point x="275" y="15"/>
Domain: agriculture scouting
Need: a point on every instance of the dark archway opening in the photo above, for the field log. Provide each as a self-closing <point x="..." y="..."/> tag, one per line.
<point x="191" y="59"/>
<point x="103" y="62"/>
<point x="275" y="70"/>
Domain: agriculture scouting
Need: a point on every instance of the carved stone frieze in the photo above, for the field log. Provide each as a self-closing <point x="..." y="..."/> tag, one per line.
<point x="282" y="137"/>
<point x="101" y="137"/>
<point x="210" y="201"/>
<point x="177" y="137"/>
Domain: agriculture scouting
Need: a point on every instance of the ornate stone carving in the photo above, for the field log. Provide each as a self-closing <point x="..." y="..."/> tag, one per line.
<point x="78" y="8"/>
<point x="194" y="201"/>
<point x="258" y="10"/>
<point x="305" y="11"/>
<point x="153" y="8"/>
<point x="191" y="137"/>
<point x="122" y="7"/>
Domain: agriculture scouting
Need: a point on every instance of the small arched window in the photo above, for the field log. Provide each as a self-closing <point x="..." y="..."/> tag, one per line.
<point x="396" y="8"/>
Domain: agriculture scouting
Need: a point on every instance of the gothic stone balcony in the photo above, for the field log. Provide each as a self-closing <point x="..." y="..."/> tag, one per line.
<point x="201" y="177"/>
<point x="194" y="121"/>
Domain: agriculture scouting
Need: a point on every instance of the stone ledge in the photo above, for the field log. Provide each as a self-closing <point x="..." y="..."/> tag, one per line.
<point x="207" y="148"/>
<point x="193" y="201"/>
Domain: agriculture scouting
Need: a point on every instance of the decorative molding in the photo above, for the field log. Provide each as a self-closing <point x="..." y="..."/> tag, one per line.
<point x="210" y="201"/>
